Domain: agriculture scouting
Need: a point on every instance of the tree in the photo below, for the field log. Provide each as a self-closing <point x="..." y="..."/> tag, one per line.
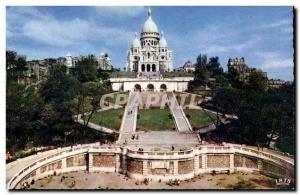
<point x="213" y="66"/>
<point x="22" y="110"/>
<point x="16" y="65"/>
<point x="11" y="57"/>
<point x="257" y="81"/>
<point x="86" y="69"/>
<point x="201" y="73"/>
<point x="89" y="93"/>
<point x="57" y="93"/>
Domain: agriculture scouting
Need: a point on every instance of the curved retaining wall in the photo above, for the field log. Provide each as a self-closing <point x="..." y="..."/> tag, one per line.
<point x="156" y="165"/>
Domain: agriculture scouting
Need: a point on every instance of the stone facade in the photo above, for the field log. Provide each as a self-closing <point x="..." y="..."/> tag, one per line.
<point x="77" y="161"/>
<point x="186" y="166"/>
<point x="217" y="161"/>
<point x="242" y="69"/>
<point x="158" y="166"/>
<point x="135" y="166"/>
<point x="270" y="167"/>
<point x="243" y="161"/>
<point x="200" y="162"/>
<point x="129" y="84"/>
<point x="52" y="166"/>
<point x="102" y="160"/>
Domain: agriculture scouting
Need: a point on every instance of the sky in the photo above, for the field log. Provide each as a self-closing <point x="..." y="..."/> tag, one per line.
<point x="262" y="35"/>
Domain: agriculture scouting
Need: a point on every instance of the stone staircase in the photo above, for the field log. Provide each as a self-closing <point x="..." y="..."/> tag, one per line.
<point x="182" y="123"/>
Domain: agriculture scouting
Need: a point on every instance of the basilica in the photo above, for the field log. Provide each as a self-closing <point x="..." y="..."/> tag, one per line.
<point x="149" y="57"/>
<point x="150" y="52"/>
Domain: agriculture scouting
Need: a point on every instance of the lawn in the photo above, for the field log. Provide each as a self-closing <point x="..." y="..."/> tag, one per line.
<point x="188" y="98"/>
<point x="155" y="120"/>
<point x="114" y="97"/>
<point x="200" y="118"/>
<point x="109" y="118"/>
<point x="177" y="74"/>
<point x="122" y="74"/>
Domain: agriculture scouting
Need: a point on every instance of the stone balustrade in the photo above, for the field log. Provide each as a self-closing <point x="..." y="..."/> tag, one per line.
<point x="157" y="165"/>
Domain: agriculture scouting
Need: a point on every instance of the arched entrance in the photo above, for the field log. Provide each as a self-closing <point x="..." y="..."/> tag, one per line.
<point x="148" y="68"/>
<point x="153" y="68"/>
<point x="137" y="87"/>
<point x="150" y="87"/>
<point x="163" y="87"/>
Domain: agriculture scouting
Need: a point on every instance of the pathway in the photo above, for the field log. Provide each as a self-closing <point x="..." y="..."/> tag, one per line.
<point x="128" y="125"/>
<point x="182" y="123"/>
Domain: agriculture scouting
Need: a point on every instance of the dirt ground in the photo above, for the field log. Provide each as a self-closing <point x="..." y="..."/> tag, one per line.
<point x="114" y="181"/>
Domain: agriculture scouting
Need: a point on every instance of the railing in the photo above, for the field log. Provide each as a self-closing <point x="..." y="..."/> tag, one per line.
<point x="141" y="154"/>
<point x="38" y="163"/>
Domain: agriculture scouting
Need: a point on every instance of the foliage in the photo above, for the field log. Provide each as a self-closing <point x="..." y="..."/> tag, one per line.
<point x="43" y="114"/>
<point x="263" y="114"/>
<point x="86" y="69"/>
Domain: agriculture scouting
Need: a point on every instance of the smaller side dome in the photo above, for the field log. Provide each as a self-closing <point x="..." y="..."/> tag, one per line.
<point x="136" y="42"/>
<point x="162" y="41"/>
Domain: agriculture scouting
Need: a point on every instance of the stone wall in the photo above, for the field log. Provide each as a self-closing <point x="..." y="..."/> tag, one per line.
<point x="50" y="167"/>
<point x="134" y="166"/>
<point x="75" y="161"/>
<point x="270" y="167"/>
<point x="125" y="84"/>
<point x="102" y="160"/>
<point x="166" y="168"/>
<point x="244" y="161"/>
<point x="200" y="162"/>
<point x="157" y="166"/>
<point x="185" y="167"/>
<point x="218" y="161"/>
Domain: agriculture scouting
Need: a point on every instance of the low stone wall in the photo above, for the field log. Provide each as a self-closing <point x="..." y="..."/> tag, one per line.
<point x="76" y="161"/>
<point x="185" y="166"/>
<point x="104" y="160"/>
<point x="50" y="167"/>
<point x="244" y="161"/>
<point x="156" y="165"/>
<point x="135" y="166"/>
<point x="218" y="161"/>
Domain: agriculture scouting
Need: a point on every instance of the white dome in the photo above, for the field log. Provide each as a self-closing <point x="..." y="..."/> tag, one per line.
<point x="136" y="42"/>
<point x="149" y="25"/>
<point x="162" y="41"/>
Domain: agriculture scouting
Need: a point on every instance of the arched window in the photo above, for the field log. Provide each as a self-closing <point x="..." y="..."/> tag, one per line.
<point x="153" y="68"/>
<point x="143" y="67"/>
<point x="148" y="55"/>
<point x="148" y="68"/>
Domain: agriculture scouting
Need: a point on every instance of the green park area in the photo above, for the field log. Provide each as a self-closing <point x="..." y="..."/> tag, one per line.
<point x="109" y="118"/>
<point x="155" y="120"/>
<point x="122" y="74"/>
<point x="200" y="118"/>
<point x="113" y="97"/>
<point x="187" y="98"/>
<point x="177" y="74"/>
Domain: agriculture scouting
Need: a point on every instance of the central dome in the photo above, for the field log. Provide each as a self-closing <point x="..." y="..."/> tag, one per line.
<point x="149" y="25"/>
